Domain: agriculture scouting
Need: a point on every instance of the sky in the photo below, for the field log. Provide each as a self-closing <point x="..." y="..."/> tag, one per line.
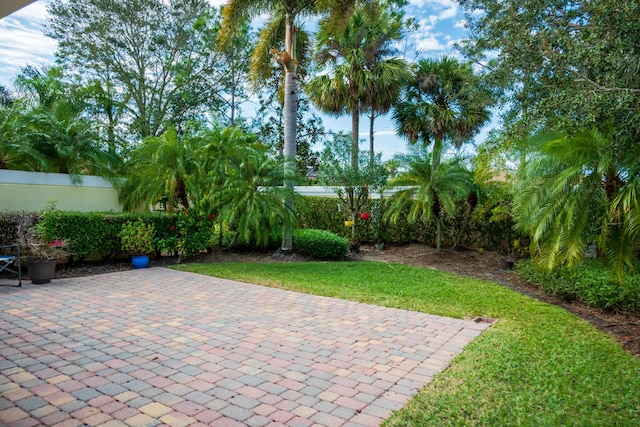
<point x="440" y="26"/>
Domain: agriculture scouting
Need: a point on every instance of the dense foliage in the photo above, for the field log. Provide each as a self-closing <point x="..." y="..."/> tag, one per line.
<point x="486" y="229"/>
<point x="562" y="69"/>
<point x="148" y="62"/>
<point x="145" y="88"/>
<point x="590" y="282"/>
<point x="320" y="244"/>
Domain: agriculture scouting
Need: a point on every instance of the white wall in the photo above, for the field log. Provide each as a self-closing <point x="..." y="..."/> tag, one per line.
<point x="29" y="191"/>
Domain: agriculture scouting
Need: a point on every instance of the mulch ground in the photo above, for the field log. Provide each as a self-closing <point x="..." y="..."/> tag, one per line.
<point x="624" y="328"/>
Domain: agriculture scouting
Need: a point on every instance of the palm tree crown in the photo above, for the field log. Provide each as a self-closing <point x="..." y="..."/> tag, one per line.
<point x="359" y="77"/>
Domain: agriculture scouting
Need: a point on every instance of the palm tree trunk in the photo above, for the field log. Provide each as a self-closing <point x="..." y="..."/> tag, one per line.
<point x="371" y="151"/>
<point x="290" y="108"/>
<point x="436" y="155"/>
<point x="438" y="233"/>
<point x="355" y="129"/>
<point x="232" y="122"/>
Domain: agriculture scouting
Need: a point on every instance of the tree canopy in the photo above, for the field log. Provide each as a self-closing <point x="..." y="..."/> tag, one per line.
<point x="564" y="64"/>
<point x="153" y="59"/>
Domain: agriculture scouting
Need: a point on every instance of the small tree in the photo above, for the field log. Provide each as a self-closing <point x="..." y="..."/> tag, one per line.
<point x="430" y="192"/>
<point x="352" y="184"/>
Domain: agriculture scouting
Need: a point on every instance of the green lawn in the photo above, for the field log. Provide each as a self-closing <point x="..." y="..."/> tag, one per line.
<point x="539" y="365"/>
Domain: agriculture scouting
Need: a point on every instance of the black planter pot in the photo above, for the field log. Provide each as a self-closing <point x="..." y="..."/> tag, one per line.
<point x="506" y="264"/>
<point x="41" y="272"/>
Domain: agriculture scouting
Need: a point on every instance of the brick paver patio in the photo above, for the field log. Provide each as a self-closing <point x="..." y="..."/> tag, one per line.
<point x="162" y="347"/>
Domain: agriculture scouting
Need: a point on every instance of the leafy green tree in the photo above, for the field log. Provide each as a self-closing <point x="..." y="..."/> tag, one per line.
<point x="149" y="60"/>
<point x="220" y="151"/>
<point x="242" y="184"/>
<point x="361" y="75"/>
<point x="252" y="197"/>
<point x="234" y="59"/>
<point x="352" y="184"/>
<point x="428" y="192"/>
<point x="561" y="65"/>
<point x="16" y="151"/>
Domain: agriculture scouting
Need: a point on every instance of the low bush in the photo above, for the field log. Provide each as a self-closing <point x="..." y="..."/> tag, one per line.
<point x="590" y="282"/>
<point x="320" y="244"/>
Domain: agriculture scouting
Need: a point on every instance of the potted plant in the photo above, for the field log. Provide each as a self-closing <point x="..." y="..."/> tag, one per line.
<point x="43" y="257"/>
<point x="44" y="250"/>
<point x="509" y="258"/>
<point x="136" y="238"/>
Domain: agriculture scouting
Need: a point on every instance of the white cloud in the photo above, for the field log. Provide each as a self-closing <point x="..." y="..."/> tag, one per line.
<point x="441" y="9"/>
<point x="428" y="42"/>
<point x="217" y="3"/>
<point x="460" y="23"/>
<point x="22" y="42"/>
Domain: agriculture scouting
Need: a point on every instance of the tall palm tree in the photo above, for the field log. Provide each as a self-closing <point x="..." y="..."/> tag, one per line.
<point x="429" y="191"/>
<point x="359" y="75"/>
<point x="444" y="102"/>
<point x="390" y="75"/>
<point x="281" y="30"/>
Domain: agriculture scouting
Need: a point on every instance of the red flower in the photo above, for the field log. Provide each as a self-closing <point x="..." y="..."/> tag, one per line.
<point x="212" y="216"/>
<point x="365" y="215"/>
<point x="173" y="227"/>
<point x="186" y="211"/>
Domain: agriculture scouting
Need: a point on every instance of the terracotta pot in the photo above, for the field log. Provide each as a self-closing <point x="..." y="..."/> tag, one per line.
<point x="41" y="272"/>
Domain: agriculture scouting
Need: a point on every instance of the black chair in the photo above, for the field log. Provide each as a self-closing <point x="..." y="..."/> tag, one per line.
<point x="10" y="262"/>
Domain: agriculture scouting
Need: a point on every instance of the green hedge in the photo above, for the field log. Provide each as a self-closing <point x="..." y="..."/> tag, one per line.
<point x="94" y="235"/>
<point x="320" y="244"/>
<point x="482" y="231"/>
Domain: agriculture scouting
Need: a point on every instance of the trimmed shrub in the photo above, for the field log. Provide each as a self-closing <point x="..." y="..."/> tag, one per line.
<point x="94" y="235"/>
<point x="320" y="244"/>
<point x="590" y="282"/>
